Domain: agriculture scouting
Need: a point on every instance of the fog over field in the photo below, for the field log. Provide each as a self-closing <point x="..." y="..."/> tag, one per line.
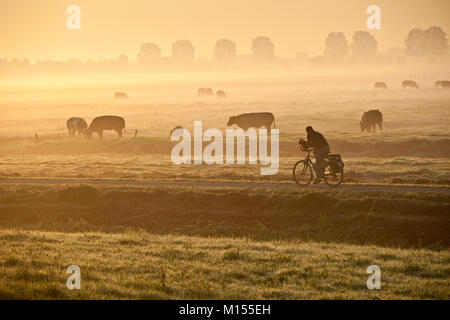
<point x="116" y="197"/>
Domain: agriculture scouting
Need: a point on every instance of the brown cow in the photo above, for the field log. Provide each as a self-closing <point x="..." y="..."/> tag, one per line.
<point x="380" y="85"/>
<point x="205" y="92"/>
<point x="253" y="120"/>
<point x="442" y="84"/>
<point x="102" y="123"/>
<point x="370" y="119"/>
<point x="175" y="128"/>
<point x="409" y="84"/>
<point x="221" y="94"/>
<point x="120" y="95"/>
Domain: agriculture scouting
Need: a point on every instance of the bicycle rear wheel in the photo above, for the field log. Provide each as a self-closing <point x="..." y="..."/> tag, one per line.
<point x="302" y="173"/>
<point x="332" y="178"/>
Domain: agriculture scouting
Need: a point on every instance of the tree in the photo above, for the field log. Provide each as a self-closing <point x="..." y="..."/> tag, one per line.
<point x="183" y="50"/>
<point x="364" y="45"/>
<point x="224" y="50"/>
<point x="431" y="42"/>
<point x="336" y="47"/>
<point x="263" y="49"/>
<point x="435" y="41"/>
<point x="149" y="52"/>
<point x="414" y="43"/>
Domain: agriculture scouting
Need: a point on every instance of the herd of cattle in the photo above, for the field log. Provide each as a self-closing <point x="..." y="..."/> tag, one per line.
<point x="412" y="84"/>
<point x="208" y="92"/>
<point x="244" y="121"/>
<point x="369" y="120"/>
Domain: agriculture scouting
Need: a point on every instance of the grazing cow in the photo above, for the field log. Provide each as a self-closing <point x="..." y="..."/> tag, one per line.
<point x="380" y="85"/>
<point x="370" y="119"/>
<point x="205" y="92"/>
<point x="102" y="123"/>
<point x="253" y="120"/>
<point x="76" y="124"/>
<point x="442" y="84"/>
<point x="409" y="84"/>
<point x="175" y="128"/>
<point x="221" y="94"/>
<point x="120" y="95"/>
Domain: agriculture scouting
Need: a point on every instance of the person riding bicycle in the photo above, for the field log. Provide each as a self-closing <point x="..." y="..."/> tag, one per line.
<point x="321" y="148"/>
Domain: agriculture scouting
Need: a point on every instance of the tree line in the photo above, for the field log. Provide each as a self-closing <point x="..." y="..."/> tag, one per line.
<point x="430" y="44"/>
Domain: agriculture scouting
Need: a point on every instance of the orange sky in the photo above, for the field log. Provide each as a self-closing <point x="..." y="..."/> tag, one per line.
<point x="36" y="29"/>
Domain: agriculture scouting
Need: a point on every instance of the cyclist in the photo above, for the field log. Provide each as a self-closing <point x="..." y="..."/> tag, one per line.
<point x="321" y="148"/>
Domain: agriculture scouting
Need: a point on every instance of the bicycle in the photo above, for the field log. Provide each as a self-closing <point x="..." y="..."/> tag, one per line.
<point x="303" y="170"/>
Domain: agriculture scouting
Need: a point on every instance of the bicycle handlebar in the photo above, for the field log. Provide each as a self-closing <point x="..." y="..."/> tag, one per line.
<point x="307" y="149"/>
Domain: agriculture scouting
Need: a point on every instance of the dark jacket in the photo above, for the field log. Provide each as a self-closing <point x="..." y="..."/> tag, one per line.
<point x="316" y="140"/>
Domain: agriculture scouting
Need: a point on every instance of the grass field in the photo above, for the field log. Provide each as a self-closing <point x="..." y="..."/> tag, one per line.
<point x="139" y="265"/>
<point x="200" y="242"/>
<point x="397" y="170"/>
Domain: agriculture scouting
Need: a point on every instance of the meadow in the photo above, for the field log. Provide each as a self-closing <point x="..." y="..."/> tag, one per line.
<point x="198" y="242"/>
<point x="139" y="265"/>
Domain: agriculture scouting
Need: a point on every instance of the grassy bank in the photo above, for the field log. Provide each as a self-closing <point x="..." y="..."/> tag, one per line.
<point x="410" y="220"/>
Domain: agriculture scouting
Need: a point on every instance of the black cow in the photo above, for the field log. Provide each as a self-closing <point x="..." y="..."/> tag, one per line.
<point x="409" y="84"/>
<point x="102" y="123"/>
<point x="76" y="124"/>
<point x="253" y="120"/>
<point x="370" y="119"/>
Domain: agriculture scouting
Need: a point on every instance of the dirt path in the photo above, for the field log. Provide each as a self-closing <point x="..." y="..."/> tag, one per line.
<point x="229" y="184"/>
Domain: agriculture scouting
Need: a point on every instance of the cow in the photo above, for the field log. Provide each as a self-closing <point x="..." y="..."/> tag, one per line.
<point x="380" y="85"/>
<point x="221" y="94"/>
<point x="120" y="95"/>
<point x="253" y="120"/>
<point x="175" y="128"/>
<point x="205" y="92"/>
<point x="409" y="84"/>
<point x="442" y="84"/>
<point x="76" y="124"/>
<point x="102" y="123"/>
<point x="370" y="119"/>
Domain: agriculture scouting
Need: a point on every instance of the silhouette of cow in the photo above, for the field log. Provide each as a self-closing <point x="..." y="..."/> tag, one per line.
<point x="380" y="85"/>
<point x="442" y="84"/>
<point x="76" y="124"/>
<point x="221" y="94"/>
<point x="120" y="95"/>
<point x="205" y="92"/>
<point x="175" y="128"/>
<point x="253" y="120"/>
<point x="102" y="123"/>
<point x="409" y="84"/>
<point x="370" y="119"/>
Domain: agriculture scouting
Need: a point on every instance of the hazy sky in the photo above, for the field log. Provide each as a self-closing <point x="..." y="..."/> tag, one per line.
<point x="36" y="29"/>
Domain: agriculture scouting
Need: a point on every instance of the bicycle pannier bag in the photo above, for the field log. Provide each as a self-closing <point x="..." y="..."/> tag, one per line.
<point x="336" y="163"/>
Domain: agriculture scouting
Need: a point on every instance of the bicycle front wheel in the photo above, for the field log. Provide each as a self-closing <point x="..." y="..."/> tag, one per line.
<point x="302" y="172"/>
<point x="333" y="179"/>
